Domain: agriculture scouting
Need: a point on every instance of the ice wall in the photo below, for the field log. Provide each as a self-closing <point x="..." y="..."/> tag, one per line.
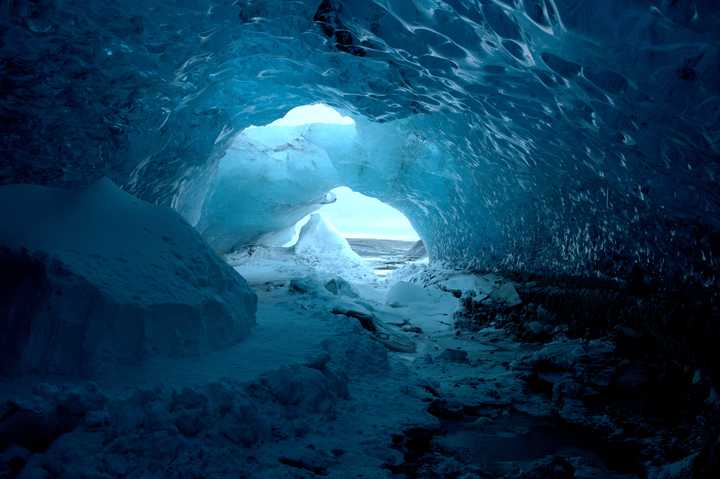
<point x="571" y="135"/>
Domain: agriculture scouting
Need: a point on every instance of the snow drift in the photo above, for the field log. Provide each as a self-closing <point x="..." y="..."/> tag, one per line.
<point x="94" y="277"/>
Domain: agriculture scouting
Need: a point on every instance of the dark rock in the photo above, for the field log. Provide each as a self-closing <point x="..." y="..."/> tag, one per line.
<point x="366" y="320"/>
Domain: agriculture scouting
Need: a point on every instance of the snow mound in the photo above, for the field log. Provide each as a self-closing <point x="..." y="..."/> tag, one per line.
<point x="95" y="277"/>
<point x="321" y="245"/>
<point x="320" y="238"/>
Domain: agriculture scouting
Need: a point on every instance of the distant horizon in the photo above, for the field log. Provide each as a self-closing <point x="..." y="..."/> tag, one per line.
<point x="359" y="236"/>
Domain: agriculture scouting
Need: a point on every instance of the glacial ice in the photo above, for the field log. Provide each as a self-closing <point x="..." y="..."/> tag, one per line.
<point x="571" y="147"/>
<point x="95" y="277"/>
<point x="538" y="134"/>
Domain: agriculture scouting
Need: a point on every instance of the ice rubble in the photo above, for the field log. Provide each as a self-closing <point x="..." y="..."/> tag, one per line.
<point x="94" y="277"/>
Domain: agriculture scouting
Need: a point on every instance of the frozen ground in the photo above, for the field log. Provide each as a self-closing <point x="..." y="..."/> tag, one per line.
<point x="341" y="378"/>
<point x="421" y="373"/>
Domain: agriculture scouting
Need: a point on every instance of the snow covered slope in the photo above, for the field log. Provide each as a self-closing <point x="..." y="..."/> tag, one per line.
<point x="92" y="277"/>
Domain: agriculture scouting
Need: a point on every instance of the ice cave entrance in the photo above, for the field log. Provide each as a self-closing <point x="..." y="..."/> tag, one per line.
<point x="380" y="234"/>
<point x="298" y="154"/>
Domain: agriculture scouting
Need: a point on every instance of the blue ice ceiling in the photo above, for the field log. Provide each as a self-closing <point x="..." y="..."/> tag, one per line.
<point x="559" y="135"/>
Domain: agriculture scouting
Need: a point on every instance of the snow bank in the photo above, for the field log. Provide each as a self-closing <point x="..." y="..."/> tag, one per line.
<point x="95" y="277"/>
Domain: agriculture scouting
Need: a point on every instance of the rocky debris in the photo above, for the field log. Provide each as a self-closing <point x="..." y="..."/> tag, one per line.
<point x="415" y="443"/>
<point x="627" y="369"/>
<point x="13" y="460"/>
<point x="454" y="356"/>
<point x="301" y="389"/>
<point x="35" y="425"/>
<point x="506" y="294"/>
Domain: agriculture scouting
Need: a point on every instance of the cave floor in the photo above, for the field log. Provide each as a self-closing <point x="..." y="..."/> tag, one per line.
<point x="434" y="401"/>
<point x="453" y="407"/>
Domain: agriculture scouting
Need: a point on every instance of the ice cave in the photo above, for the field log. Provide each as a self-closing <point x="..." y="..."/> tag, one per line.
<point x="463" y="239"/>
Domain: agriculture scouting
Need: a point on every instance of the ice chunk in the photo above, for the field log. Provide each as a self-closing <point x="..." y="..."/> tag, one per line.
<point x="95" y="277"/>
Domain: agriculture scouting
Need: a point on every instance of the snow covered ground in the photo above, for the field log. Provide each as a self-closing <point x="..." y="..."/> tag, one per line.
<point x="346" y="374"/>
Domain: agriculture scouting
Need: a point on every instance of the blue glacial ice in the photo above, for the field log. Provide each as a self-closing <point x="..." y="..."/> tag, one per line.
<point x="557" y="135"/>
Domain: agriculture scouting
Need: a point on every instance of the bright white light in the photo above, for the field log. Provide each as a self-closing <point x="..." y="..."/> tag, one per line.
<point x="358" y="216"/>
<point x="309" y="114"/>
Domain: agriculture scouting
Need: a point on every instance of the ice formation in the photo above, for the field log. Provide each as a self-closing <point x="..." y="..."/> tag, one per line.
<point x="547" y="134"/>
<point x="559" y="160"/>
<point x="93" y="278"/>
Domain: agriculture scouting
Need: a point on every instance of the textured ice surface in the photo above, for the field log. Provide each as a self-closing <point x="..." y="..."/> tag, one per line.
<point x="569" y="135"/>
<point x="95" y="277"/>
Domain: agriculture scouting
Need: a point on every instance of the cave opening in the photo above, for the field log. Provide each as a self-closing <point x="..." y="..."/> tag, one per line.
<point x="310" y="167"/>
<point x="382" y="235"/>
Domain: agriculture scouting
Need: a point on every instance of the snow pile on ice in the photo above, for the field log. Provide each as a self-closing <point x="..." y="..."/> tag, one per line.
<point x="96" y="276"/>
<point x="323" y="247"/>
<point x="320" y="238"/>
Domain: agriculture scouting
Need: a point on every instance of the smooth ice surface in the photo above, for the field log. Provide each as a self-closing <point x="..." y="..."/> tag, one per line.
<point x="94" y="277"/>
<point x="562" y="135"/>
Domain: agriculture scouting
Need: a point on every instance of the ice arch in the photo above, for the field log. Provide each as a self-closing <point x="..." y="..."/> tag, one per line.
<point x="272" y="176"/>
<point x="572" y="136"/>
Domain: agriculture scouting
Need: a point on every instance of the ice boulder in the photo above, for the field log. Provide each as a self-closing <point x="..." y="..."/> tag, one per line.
<point x="96" y="277"/>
